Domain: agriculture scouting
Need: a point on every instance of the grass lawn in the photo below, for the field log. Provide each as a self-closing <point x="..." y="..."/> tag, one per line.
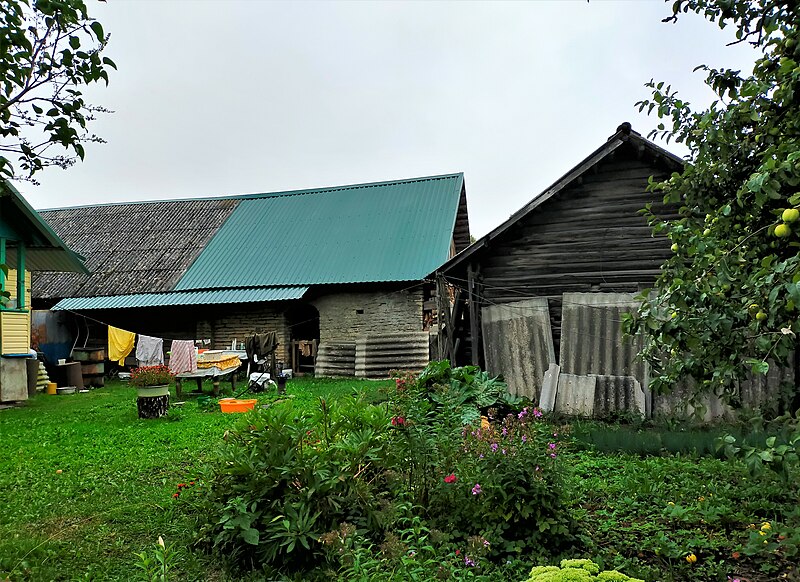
<point x="84" y="483"/>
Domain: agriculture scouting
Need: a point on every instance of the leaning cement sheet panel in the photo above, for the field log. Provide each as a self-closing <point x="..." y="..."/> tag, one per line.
<point x="592" y="341"/>
<point x="768" y="392"/>
<point x="518" y="344"/>
<point x="618" y="394"/>
<point x="547" y="402"/>
<point x="576" y="395"/>
<point x="682" y="403"/>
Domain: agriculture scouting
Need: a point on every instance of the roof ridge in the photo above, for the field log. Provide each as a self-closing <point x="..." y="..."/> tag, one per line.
<point x="237" y="197"/>
<point x="358" y="186"/>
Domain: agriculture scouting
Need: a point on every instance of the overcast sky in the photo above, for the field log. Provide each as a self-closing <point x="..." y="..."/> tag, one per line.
<point x="233" y="97"/>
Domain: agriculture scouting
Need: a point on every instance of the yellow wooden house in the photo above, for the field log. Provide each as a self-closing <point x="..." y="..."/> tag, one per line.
<point x="27" y="245"/>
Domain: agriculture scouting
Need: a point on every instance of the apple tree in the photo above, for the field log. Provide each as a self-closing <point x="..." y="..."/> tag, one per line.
<point x="49" y="49"/>
<point x="727" y="302"/>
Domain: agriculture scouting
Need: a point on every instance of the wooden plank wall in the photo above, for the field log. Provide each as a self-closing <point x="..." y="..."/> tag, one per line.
<point x="590" y="237"/>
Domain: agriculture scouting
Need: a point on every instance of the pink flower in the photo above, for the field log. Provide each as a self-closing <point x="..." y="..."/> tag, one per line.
<point x="477" y="489"/>
<point x="524" y="438"/>
<point x="451" y="478"/>
<point x="552" y="446"/>
<point x="398" y="421"/>
<point x="494" y="447"/>
<point x="537" y="413"/>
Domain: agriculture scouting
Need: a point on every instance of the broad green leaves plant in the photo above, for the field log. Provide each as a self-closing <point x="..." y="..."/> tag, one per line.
<point x="48" y="50"/>
<point x="726" y="303"/>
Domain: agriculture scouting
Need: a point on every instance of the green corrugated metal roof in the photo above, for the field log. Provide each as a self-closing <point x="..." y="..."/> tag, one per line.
<point x="386" y="231"/>
<point x="204" y="297"/>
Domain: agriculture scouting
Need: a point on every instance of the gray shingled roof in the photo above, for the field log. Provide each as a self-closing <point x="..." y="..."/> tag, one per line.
<point x="131" y="248"/>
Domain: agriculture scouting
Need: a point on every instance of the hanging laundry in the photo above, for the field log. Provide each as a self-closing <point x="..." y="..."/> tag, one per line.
<point x="260" y="345"/>
<point x="120" y="344"/>
<point x="183" y="357"/>
<point x="150" y="350"/>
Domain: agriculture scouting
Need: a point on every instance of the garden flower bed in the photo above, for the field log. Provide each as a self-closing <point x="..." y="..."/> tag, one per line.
<point x="408" y="482"/>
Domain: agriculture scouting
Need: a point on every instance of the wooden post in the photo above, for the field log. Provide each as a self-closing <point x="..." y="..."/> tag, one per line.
<point x="2" y="262"/>
<point x="474" y="331"/>
<point x="20" y="275"/>
<point x="452" y="323"/>
<point x="440" y="307"/>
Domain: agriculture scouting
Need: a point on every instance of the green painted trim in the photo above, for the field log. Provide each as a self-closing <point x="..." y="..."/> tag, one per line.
<point x="7" y="189"/>
<point x="2" y="262"/>
<point x="20" y="275"/>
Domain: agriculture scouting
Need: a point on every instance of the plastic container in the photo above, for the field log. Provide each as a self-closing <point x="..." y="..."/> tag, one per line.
<point x="52" y="387"/>
<point x="228" y="405"/>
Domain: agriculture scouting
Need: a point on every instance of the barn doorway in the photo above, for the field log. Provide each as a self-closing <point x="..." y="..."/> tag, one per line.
<point x="303" y="321"/>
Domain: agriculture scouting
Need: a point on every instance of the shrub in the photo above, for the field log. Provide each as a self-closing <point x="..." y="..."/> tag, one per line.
<point x="499" y="478"/>
<point x="287" y="475"/>
<point x="577" y="571"/>
<point x="380" y="479"/>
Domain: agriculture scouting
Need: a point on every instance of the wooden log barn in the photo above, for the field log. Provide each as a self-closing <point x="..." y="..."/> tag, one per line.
<point x="583" y="235"/>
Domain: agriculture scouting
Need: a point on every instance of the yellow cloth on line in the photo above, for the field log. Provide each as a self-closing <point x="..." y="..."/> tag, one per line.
<point x="120" y="344"/>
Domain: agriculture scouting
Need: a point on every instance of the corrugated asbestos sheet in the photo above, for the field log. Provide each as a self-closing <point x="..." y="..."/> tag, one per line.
<point x="141" y="247"/>
<point x="389" y="231"/>
<point x="205" y="297"/>
<point x="592" y="341"/>
<point x="518" y="344"/>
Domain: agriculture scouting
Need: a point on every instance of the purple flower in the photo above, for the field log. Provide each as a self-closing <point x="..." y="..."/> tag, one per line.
<point x="494" y="447"/>
<point x="486" y="543"/>
<point x="552" y="446"/>
<point x="480" y="456"/>
<point x="553" y="455"/>
<point x="537" y="468"/>
<point x="504" y="451"/>
<point x="523" y="413"/>
<point x="505" y="431"/>
<point x="468" y="561"/>
<point x="537" y="413"/>
<point x="477" y="489"/>
<point x="524" y="438"/>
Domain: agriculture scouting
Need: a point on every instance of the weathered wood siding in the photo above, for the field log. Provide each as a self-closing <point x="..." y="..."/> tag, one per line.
<point x="589" y="237"/>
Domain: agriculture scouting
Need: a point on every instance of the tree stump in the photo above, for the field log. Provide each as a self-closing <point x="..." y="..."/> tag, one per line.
<point x="152" y="406"/>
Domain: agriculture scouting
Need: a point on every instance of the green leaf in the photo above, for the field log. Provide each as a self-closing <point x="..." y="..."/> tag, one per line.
<point x="250" y="536"/>
<point x="97" y="28"/>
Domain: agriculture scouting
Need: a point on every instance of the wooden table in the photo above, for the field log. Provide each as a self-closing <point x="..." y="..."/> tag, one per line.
<point x="214" y="373"/>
